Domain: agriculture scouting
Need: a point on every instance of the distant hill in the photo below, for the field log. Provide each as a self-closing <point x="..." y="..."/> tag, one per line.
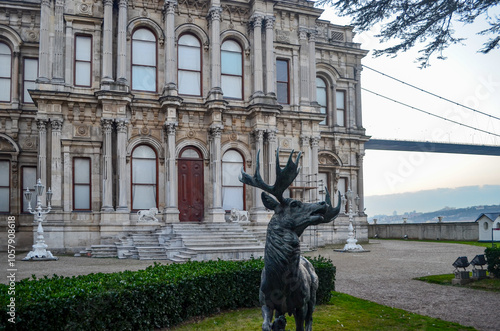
<point x="469" y="214"/>
<point x="432" y="200"/>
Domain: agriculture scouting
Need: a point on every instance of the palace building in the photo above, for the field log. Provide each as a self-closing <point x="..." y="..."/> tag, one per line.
<point x="121" y="106"/>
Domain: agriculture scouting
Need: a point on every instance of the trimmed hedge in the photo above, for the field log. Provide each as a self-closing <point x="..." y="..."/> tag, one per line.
<point x="159" y="296"/>
<point x="493" y="259"/>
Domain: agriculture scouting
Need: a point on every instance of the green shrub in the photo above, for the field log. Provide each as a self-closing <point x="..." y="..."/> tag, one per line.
<point x="159" y="296"/>
<point x="493" y="258"/>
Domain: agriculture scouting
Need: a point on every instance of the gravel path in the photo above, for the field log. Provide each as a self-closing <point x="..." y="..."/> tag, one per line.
<point x="383" y="275"/>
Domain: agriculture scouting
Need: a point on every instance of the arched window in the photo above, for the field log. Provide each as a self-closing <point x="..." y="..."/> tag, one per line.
<point x="232" y="69"/>
<point x="322" y="98"/>
<point x="143" y="60"/>
<point x="144" y="178"/>
<point x="232" y="188"/>
<point x="5" y="72"/>
<point x="189" y="62"/>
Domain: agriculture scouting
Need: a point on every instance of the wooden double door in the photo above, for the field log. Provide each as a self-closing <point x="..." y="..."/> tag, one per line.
<point x="190" y="185"/>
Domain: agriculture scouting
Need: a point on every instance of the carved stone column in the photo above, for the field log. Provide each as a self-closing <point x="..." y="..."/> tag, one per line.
<point x="271" y="155"/>
<point x="216" y="212"/>
<point x="359" y="120"/>
<point x="172" y="209"/>
<point x="314" y="166"/>
<point x="107" y="173"/>
<point x="305" y="174"/>
<point x="107" y="42"/>
<point x="122" y="42"/>
<point x="312" y="65"/>
<point x="257" y="55"/>
<point x="42" y="151"/>
<point x="214" y="17"/>
<point x="258" y="212"/>
<point x="304" y="67"/>
<point x="56" y="172"/>
<point x="361" y="192"/>
<point x="15" y="80"/>
<point x="68" y="68"/>
<point x="270" y="72"/>
<point x="121" y="151"/>
<point x="44" y="44"/>
<point x="58" y="57"/>
<point x="170" y="87"/>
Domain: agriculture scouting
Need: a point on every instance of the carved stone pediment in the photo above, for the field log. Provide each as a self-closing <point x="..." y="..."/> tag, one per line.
<point x="6" y="146"/>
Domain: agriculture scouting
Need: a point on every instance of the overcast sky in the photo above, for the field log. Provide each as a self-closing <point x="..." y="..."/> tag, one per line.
<point x="466" y="77"/>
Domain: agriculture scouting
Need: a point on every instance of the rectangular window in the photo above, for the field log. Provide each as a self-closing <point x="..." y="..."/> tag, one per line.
<point x="30" y="74"/>
<point x="81" y="184"/>
<point x="340" y="106"/>
<point x="4" y="186"/>
<point x="282" y="80"/>
<point x="29" y="181"/>
<point x="342" y="186"/>
<point x="83" y="60"/>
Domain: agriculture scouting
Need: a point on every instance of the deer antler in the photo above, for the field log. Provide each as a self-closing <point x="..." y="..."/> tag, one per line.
<point x="284" y="177"/>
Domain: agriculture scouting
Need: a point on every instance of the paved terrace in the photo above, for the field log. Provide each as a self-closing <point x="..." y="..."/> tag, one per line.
<point x="383" y="275"/>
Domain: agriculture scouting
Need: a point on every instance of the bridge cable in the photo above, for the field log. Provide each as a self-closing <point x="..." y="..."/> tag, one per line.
<point x="428" y="113"/>
<point x="435" y="95"/>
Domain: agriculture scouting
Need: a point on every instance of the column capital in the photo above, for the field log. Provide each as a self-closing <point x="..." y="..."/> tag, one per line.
<point x="315" y="141"/>
<point x="258" y="134"/>
<point x="304" y="140"/>
<point x="121" y="125"/>
<point x="41" y="124"/>
<point x="123" y="3"/>
<point x="271" y="135"/>
<point x="256" y="20"/>
<point x="216" y="130"/>
<point x="107" y="2"/>
<point x="46" y="3"/>
<point x="170" y="127"/>
<point x="214" y="13"/>
<point x="107" y="125"/>
<point x="313" y="33"/>
<point x="303" y="33"/>
<point x="56" y="124"/>
<point x="270" y="20"/>
<point x="169" y="6"/>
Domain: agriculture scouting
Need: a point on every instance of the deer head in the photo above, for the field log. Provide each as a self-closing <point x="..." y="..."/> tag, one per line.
<point x="293" y="214"/>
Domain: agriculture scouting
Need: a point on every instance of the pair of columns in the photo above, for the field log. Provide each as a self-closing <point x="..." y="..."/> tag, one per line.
<point x="107" y="173"/>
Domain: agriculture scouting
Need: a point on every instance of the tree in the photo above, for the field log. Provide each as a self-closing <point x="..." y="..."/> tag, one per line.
<point x="407" y="22"/>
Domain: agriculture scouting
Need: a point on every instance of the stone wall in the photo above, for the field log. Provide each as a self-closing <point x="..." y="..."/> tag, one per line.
<point x="467" y="231"/>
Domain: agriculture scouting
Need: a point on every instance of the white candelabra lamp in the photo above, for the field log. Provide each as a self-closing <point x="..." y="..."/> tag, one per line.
<point x="39" y="252"/>
<point x="352" y="245"/>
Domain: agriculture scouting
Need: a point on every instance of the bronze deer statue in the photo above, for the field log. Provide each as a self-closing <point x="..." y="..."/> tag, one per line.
<point x="288" y="281"/>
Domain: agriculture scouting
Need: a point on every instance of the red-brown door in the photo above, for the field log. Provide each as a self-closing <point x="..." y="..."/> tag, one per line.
<point x="190" y="189"/>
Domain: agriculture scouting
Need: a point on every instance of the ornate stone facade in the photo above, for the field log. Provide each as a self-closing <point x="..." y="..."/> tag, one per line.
<point x="141" y="104"/>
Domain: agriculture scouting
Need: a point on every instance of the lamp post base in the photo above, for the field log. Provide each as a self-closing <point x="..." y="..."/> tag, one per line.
<point x="40" y="253"/>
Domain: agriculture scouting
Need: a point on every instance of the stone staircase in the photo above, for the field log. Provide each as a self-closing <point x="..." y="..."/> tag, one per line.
<point x="212" y="241"/>
<point x="181" y="242"/>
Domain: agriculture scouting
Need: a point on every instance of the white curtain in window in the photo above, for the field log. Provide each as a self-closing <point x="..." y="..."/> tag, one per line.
<point x="83" y="58"/>
<point x="82" y="73"/>
<point x="232" y="86"/>
<point x="232" y="188"/>
<point x="5" y="72"/>
<point x="81" y="183"/>
<point x="144" y="60"/>
<point x="29" y="181"/>
<point x="340" y="104"/>
<point x="4" y="186"/>
<point x="231" y="69"/>
<point x="143" y="178"/>
<point x="189" y="61"/>
<point x="321" y="96"/>
<point x="189" y="82"/>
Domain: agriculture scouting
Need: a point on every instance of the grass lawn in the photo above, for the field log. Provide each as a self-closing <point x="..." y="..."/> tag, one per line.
<point x="489" y="284"/>
<point x="344" y="312"/>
